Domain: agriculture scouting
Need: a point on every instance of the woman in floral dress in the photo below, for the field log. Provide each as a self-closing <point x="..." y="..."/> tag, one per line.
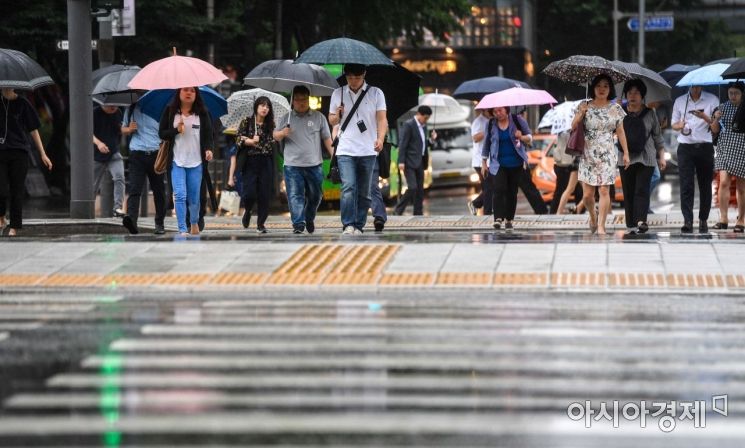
<point x="597" y="165"/>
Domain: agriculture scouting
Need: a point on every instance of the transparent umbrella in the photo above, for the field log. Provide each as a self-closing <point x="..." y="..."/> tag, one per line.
<point x="241" y="105"/>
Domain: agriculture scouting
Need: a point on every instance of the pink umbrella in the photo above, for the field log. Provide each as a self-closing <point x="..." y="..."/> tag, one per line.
<point x="516" y="96"/>
<point x="175" y="72"/>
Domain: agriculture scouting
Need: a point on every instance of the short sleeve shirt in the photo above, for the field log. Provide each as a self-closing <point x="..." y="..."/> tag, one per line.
<point x="699" y="128"/>
<point x="186" y="148"/>
<point x="303" y="145"/>
<point x="353" y="142"/>
<point x="107" y="128"/>
<point x="17" y="119"/>
<point x="478" y="125"/>
<point x="146" y="138"/>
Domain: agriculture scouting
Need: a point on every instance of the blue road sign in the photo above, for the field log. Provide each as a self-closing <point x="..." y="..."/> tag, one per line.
<point x="652" y="23"/>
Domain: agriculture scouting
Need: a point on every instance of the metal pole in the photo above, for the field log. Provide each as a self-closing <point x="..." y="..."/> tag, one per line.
<point x="615" y="29"/>
<point x="82" y="201"/>
<point x="278" y="32"/>
<point x="642" y="20"/>
<point x="105" y="59"/>
<point x="210" y="19"/>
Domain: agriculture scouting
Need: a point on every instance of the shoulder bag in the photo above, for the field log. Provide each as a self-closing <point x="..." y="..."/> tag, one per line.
<point x="334" y="174"/>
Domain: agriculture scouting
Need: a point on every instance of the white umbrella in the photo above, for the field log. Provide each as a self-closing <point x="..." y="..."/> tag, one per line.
<point x="560" y="117"/>
<point x="241" y="105"/>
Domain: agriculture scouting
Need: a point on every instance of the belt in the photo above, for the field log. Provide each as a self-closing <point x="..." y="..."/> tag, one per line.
<point x="145" y="151"/>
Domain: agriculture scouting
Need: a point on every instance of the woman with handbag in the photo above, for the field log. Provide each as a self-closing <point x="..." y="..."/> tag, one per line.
<point x="597" y="164"/>
<point x="186" y="123"/>
<point x="256" y="142"/>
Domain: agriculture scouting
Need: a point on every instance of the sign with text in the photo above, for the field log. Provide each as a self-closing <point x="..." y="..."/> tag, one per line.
<point x="123" y="20"/>
<point x="652" y="23"/>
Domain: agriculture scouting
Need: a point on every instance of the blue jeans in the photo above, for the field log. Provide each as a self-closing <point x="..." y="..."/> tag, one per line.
<point x="186" y="185"/>
<point x="304" y="192"/>
<point x="378" y="206"/>
<point x="355" y="189"/>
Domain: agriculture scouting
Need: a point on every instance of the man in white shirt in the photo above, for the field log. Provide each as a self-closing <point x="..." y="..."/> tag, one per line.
<point x="478" y="133"/>
<point x="358" y="144"/>
<point x="692" y="116"/>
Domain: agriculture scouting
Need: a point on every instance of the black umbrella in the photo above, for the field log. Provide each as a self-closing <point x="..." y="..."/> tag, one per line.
<point x="736" y="70"/>
<point x="580" y="69"/>
<point x="18" y="71"/>
<point x="675" y="72"/>
<point x="476" y="89"/>
<point x="343" y="51"/>
<point x="112" y="89"/>
<point x="282" y="75"/>
<point x="400" y="86"/>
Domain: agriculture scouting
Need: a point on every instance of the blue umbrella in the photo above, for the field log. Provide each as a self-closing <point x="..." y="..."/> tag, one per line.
<point x="708" y="75"/>
<point x="475" y="89"/>
<point x="155" y="101"/>
<point x="343" y="51"/>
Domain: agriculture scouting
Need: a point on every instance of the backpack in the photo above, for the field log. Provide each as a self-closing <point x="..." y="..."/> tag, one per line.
<point x="636" y="131"/>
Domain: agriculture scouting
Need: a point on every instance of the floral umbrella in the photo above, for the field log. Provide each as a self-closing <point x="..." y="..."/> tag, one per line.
<point x="241" y="105"/>
<point x="580" y="69"/>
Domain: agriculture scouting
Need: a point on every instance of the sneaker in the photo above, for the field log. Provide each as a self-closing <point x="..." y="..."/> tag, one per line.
<point x="497" y="224"/>
<point x="687" y="228"/>
<point x="632" y="230"/>
<point x="119" y="213"/>
<point x="379" y="223"/>
<point x="703" y="227"/>
<point x="246" y="220"/>
<point x="200" y="223"/>
<point x="643" y="227"/>
<point x="348" y="230"/>
<point x="357" y="232"/>
<point x="471" y="208"/>
<point x="130" y="224"/>
<point x="310" y="226"/>
<point x="261" y="229"/>
<point x="298" y="229"/>
<point x="508" y="226"/>
<point x="159" y="230"/>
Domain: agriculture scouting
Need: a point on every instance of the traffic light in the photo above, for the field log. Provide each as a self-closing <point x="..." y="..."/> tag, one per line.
<point x="517" y="21"/>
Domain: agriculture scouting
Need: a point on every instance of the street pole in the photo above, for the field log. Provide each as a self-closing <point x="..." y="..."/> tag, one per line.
<point x="105" y="59"/>
<point x="642" y="20"/>
<point x="210" y="19"/>
<point x="82" y="201"/>
<point x="278" y="32"/>
<point x="616" y="13"/>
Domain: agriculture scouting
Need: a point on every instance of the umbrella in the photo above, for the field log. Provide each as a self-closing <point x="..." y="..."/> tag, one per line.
<point x="175" y="72"/>
<point x="440" y="103"/>
<point x="281" y="75"/>
<point x="155" y="101"/>
<point x="673" y="73"/>
<point x="475" y="89"/>
<point x="18" y="71"/>
<point x="343" y="51"/>
<point x="657" y="88"/>
<point x="736" y="70"/>
<point x="400" y="86"/>
<point x="707" y="75"/>
<point x="560" y="117"/>
<point x="581" y="69"/>
<point x="241" y="105"/>
<point x="111" y="88"/>
<point x="516" y="96"/>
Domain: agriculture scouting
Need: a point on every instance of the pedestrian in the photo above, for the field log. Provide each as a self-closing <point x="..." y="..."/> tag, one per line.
<point x="565" y="169"/>
<point x="646" y="151"/>
<point x="413" y="158"/>
<point x="255" y="138"/>
<point x="188" y="125"/>
<point x="107" y="132"/>
<point x="306" y="132"/>
<point x="730" y="156"/>
<point x="503" y="160"/>
<point x="18" y="119"/>
<point x="692" y="115"/>
<point x="361" y="111"/>
<point x="597" y="165"/>
<point x="478" y="132"/>
<point x="377" y="204"/>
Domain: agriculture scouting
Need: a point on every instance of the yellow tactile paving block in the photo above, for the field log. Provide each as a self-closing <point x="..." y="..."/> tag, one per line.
<point x="239" y="278"/>
<point x="72" y="280"/>
<point x="464" y="278"/>
<point x="308" y="265"/>
<point x="407" y="279"/>
<point x="520" y="279"/>
<point x="127" y="279"/>
<point x="20" y="279"/>
<point x="736" y="281"/>
<point x="578" y="279"/>
<point x="182" y="279"/>
<point x="361" y="264"/>
<point x="636" y="280"/>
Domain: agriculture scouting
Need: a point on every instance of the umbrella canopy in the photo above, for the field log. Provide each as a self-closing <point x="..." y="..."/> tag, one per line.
<point x="440" y="103"/>
<point x="343" y="51"/>
<point x="241" y="105"/>
<point x="18" y="71"/>
<point x="175" y="72"/>
<point x="400" y="86"/>
<point x="560" y="117"/>
<point x="657" y="88"/>
<point x="736" y="70"/>
<point x="112" y="89"/>
<point x="580" y="69"/>
<point x="475" y="89"/>
<point x="155" y="101"/>
<point x="673" y="73"/>
<point x="516" y="96"/>
<point x="708" y="75"/>
<point x="282" y="75"/>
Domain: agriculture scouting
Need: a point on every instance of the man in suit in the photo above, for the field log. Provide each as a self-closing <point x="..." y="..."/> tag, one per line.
<point x="413" y="158"/>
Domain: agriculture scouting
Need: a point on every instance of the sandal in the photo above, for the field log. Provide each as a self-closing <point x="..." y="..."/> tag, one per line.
<point x="720" y="226"/>
<point x="739" y="228"/>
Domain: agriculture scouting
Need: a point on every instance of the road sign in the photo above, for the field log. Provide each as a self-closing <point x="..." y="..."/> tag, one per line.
<point x="652" y="23"/>
<point x="64" y="45"/>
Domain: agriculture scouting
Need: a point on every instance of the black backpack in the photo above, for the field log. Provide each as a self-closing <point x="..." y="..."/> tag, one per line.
<point x="636" y="131"/>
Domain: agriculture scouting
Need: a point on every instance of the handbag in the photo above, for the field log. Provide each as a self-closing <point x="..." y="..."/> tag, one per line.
<point x="230" y="201"/>
<point x="384" y="161"/>
<point x="334" y="174"/>
<point x="161" y="160"/>
<point x="576" y="143"/>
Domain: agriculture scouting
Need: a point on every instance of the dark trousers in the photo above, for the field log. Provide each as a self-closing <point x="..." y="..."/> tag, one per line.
<point x="484" y="199"/>
<point x="504" y="186"/>
<point x="141" y="166"/>
<point x="13" y="170"/>
<point x="258" y="175"/>
<point x="414" y="192"/>
<point x="562" y="181"/>
<point x="532" y="194"/>
<point x="636" y="180"/>
<point x="695" y="160"/>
